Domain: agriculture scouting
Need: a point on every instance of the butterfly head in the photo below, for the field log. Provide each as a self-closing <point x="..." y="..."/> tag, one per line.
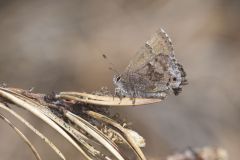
<point x="121" y="85"/>
<point x="117" y="79"/>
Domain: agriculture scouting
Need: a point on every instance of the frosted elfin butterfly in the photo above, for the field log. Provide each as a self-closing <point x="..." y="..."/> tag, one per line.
<point x="154" y="72"/>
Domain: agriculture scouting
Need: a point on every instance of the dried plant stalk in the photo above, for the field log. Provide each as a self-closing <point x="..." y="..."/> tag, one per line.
<point x="106" y="100"/>
<point x="25" y="139"/>
<point x="96" y="134"/>
<point x="79" y="137"/>
<point x="84" y="120"/>
<point x="131" y="141"/>
<point x="45" y="139"/>
<point x="42" y="116"/>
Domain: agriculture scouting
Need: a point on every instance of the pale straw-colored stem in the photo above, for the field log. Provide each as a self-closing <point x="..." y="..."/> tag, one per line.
<point x="24" y="138"/>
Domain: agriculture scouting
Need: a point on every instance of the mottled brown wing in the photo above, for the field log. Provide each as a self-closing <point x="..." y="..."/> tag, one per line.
<point x="159" y="43"/>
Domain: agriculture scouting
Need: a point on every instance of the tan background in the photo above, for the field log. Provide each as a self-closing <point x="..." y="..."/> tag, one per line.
<point x="56" y="45"/>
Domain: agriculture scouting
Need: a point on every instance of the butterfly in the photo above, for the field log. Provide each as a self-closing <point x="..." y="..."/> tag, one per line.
<point x="153" y="73"/>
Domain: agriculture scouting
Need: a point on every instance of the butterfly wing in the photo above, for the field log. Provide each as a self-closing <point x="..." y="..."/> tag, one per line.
<point x="154" y="71"/>
<point x="157" y="66"/>
<point x="159" y="43"/>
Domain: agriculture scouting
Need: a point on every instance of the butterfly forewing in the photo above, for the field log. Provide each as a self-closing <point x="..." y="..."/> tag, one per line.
<point x="159" y="43"/>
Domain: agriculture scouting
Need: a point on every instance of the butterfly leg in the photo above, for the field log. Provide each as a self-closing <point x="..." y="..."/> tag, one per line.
<point x="119" y="94"/>
<point x="134" y="96"/>
<point x="134" y="100"/>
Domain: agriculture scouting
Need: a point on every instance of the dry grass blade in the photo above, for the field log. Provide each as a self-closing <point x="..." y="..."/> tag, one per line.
<point x="33" y="109"/>
<point x="45" y="139"/>
<point x="106" y="100"/>
<point x="36" y="154"/>
<point x="86" y="126"/>
<point x="131" y="142"/>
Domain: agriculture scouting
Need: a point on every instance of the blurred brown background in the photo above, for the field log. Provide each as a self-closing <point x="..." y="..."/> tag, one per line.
<point x="56" y="45"/>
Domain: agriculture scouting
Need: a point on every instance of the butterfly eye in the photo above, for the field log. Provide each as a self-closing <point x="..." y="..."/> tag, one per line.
<point x="174" y="79"/>
<point x="118" y="78"/>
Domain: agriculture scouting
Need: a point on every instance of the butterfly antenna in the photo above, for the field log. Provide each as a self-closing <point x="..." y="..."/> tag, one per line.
<point x="112" y="66"/>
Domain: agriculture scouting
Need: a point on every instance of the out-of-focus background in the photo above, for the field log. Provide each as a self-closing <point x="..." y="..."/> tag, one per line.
<point x="57" y="46"/>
